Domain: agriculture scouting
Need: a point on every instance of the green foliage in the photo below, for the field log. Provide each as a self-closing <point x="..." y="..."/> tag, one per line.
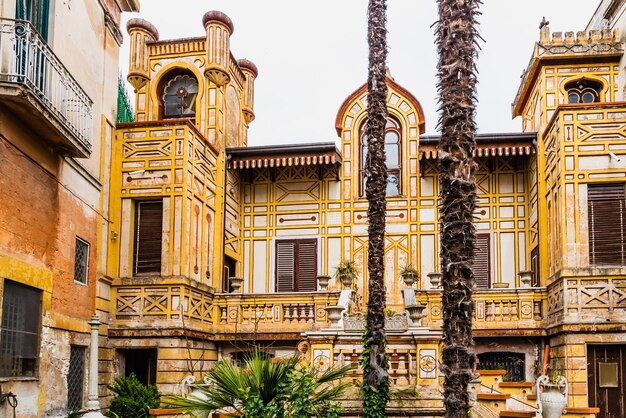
<point x="265" y="388"/>
<point x="75" y="414"/>
<point x="346" y="268"/>
<point x="408" y="269"/>
<point x="133" y="399"/>
<point x="374" y="399"/>
<point x="124" y="108"/>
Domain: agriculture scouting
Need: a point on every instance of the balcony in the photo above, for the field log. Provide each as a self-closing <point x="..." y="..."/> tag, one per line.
<point x="283" y="315"/>
<point x="502" y="312"/>
<point x="41" y="92"/>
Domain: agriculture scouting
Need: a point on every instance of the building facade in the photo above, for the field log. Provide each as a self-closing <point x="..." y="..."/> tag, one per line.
<point x="58" y="72"/>
<point x="192" y="206"/>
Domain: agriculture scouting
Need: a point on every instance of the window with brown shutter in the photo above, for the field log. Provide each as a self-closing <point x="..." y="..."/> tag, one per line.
<point x="607" y="224"/>
<point x="148" y="237"/>
<point x="296" y="265"/>
<point x="481" y="267"/>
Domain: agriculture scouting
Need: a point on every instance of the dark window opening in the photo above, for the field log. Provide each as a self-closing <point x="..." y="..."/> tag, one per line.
<point x="393" y="158"/>
<point x="37" y="12"/>
<point x="534" y="266"/>
<point x="76" y="378"/>
<point x="240" y="357"/>
<point x="482" y="261"/>
<point x="81" y="261"/>
<point x="19" y="336"/>
<point x="607" y="224"/>
<point x="583" y="91"/>
<point x="142" y="363"/>
<point x="296" y="265"/>
<point x="148" y="237"/>
<point x="513" y="363"/>
<point x="178" y="95"/>
<point x="230" y="270"/>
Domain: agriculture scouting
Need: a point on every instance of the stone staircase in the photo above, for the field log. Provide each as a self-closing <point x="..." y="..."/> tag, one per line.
<point x="495" y="398"/>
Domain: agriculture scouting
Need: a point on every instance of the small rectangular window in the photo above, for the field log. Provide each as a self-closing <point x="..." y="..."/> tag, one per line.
<point x="76" y="378"/>
<point x="19" y="335"/>
<point x="482" y="261"/>
<point x="296" y="265"/>
<point x="607" y="224"/>
<point x="81" y="261"/>
<point x="148" y="237"/>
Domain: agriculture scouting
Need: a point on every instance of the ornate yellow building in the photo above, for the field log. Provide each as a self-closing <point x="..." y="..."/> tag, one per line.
<point x="215" y="246"/>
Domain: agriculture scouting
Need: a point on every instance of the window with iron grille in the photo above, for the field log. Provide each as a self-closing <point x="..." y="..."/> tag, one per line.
<point x="76" y="378"/>
<point x="19" y="335"/>
<point x="607" y="224"/>
<point x="513" y="363"/>
<point x="81" y="261"/>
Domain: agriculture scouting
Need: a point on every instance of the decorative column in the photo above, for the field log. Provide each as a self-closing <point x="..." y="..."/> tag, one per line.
<point x="219" y="28"/>
<point x="93" y="404"/>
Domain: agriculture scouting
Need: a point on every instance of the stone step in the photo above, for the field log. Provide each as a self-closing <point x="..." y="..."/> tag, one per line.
<point x="518" y="414"/>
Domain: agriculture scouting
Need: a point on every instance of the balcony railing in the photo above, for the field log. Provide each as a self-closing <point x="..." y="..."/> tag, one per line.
<point x="27" y="60"/>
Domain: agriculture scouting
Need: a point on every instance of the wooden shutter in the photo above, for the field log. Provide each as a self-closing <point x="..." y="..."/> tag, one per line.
<point x="296" y="265"/>
<point x="148" y="237"/>
<point x="306" y="265"/>
<point x="481" y="267"/>
<point x="607" y="224"/>
<point x="285" y="263"/>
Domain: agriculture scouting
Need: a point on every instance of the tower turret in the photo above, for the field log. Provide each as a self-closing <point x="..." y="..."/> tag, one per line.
<point x="141" y="32"/>
<point x="251" y="72"/>
<point x="219" y="28"/>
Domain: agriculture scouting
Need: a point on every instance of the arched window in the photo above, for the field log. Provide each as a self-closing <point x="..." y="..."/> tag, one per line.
<point x="393" y="158"/>
<point x="178" y="96"/>
<point x="583" y="91"/>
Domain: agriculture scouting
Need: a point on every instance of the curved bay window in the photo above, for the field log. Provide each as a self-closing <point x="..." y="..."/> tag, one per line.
<point x="178" y="96"/>
<point x="393" y="158"/>
<point x="583" y="91"/>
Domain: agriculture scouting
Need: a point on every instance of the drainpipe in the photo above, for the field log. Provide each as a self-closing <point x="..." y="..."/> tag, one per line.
<point x="93" y="404"/>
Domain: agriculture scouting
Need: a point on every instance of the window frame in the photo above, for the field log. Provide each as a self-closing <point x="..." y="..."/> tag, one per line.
<point x="163" y="83"/>
<point x="580" y="87"/>
<point x="602" y="217"/>
<point x="7" y="284"/>
<point x="136" y="238"/>
<point x="296" y="280"/>
<point x="86" y="260"/>
<point x="76" y="400"/>
<point x="392" y="125"/>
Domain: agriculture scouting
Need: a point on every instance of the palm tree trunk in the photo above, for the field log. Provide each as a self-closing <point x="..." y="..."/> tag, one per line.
<point x="457" y="37"/>
<point x="376" y="376"/>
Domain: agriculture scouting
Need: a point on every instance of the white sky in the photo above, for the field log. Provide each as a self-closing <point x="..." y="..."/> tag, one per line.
<point x="311" y="55"/>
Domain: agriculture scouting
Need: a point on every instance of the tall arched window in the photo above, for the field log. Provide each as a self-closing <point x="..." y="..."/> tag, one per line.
<point x="583" y="91"/>
<point x="393" y="157"/>
<point x="179" y="95"/>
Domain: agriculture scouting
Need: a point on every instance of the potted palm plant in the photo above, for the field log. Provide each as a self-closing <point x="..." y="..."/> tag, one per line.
<point x="346" y="272"/>
<point x="408" y="274"/>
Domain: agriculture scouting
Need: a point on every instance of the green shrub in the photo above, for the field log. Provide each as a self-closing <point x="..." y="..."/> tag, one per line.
<point x="132" y="398"/>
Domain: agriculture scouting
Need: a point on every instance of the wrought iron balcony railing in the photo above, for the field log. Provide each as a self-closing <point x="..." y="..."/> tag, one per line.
<point x="27" y="60"/>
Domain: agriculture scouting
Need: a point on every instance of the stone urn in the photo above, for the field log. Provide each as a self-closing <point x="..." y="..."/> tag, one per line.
<point x="192" y="390"/>
<point x="416" y="313"/>
<point x="334" y="315"/>
<point x="525" y="278"/>
<point x="551" y="397"/>
<point x="322" y="281"/>
<point x="435" y="279"/>
<point x="235" y="283"/>
<point x="409" y="277"/>
<point x="346" y="280"/>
